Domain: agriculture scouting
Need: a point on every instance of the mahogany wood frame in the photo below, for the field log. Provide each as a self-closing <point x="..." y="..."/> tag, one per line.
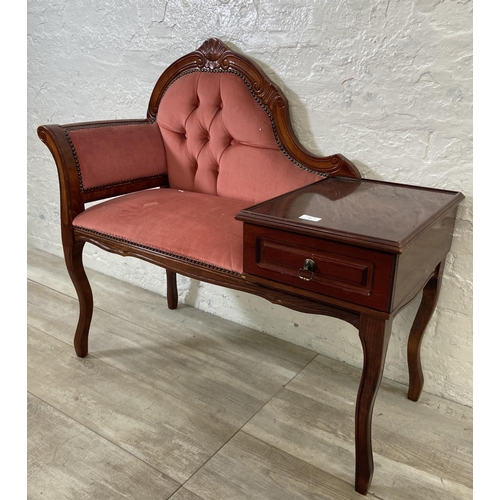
<point x="374" y="326"/>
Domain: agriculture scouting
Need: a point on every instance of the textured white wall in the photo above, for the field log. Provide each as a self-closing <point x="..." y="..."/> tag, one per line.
<point x="387" y="83"/>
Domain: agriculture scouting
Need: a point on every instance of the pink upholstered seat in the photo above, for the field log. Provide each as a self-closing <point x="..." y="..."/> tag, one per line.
<point x="181" y="223"/>
<point x="217" y="144"/>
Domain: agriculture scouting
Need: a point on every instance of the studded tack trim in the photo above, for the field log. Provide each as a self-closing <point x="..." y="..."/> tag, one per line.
<point x="112" y="184"/>
<point x="77" y="162"/>
<point x="261" y="104"/>
<point x="163" y="252"/>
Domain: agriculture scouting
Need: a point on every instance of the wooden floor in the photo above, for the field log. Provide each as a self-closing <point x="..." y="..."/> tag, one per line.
<point x="183" y="405"/>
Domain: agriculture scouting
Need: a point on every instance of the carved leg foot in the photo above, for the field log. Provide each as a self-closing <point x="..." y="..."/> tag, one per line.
<point x="430" y="296"/>
<point x="74" y="262"/>
<point x="172" y="297"/>
<point x="374" y="334"/>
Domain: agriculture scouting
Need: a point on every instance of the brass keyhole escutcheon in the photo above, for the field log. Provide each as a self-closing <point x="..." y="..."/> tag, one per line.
<point x="306" y="272"/>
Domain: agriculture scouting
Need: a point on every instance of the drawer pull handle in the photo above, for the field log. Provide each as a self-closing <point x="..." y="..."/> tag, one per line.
<point x="308" y="267"/>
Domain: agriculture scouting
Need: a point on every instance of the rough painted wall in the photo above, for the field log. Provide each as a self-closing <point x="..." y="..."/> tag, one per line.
<point x="387" y="83"/>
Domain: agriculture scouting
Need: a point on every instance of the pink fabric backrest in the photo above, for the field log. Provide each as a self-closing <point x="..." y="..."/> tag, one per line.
<point x="219" y="140"/>
<point x="111" y="155"/>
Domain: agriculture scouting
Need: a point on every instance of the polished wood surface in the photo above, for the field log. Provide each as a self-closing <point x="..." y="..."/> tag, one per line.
<point x="352" y="274"/>
<point x="172" y="296"/>
<point x="375" y="243"/>
<point x="364" y="212"/>
<point x="74" y="262"/>
<point x="428" y="304"/>
<point x="374" y="334"/>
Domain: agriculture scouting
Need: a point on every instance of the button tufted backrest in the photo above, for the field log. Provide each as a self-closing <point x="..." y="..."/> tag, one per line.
<point x="220" y="141"/>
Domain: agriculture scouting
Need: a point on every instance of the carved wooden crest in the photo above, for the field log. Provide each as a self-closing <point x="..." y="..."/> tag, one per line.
<point x="212" y="55"/>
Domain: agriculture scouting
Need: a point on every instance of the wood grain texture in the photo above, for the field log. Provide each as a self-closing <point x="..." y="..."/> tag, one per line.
<point x="170" y="435"/>
<point x="247" y="468"/>
<point x="302" y="438"/>
<point x="333" y="383"/>
<point x="67" y="460"/>
<point x="230" y="382"/>
<point x="421" y="450"/>
<point x="184" y="494"/>
<point x="147" y="309"/>
<point x="245" y="368"/>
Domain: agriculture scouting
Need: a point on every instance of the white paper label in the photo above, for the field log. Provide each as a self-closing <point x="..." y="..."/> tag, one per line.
<point x="310" y="217"/>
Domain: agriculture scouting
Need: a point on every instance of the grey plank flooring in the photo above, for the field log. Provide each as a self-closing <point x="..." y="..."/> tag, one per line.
<point x="184" y="494"/>
<point x="67" y="460"/>
<point x="249" y="468"/>
<point x="184" y="405"/>
<point x="164" y="431"/>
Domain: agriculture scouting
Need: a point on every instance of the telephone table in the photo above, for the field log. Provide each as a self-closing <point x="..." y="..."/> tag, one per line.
<point x="365" y="249"/>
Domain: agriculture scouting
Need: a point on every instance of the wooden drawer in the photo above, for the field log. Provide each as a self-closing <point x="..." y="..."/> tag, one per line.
<point x="345" y="272"/>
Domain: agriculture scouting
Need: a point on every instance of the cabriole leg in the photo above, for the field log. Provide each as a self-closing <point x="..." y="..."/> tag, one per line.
<point x="73" y="256"/>
<point x="172" y="296"/>
<point x="374" y="334"/>
<point x="428" y="304"/>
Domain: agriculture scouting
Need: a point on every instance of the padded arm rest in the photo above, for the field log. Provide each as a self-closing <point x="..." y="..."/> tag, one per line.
<point x="103" y="159"/>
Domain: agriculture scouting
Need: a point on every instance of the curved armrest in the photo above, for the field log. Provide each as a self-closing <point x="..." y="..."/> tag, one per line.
<point x="97" y="160"/>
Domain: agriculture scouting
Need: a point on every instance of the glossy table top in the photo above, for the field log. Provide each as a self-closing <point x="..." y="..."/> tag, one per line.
<point x="362" y="211"/>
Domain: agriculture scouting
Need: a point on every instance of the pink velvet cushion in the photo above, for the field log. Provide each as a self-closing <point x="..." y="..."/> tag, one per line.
<point x="220" y="141"/>
<point x="113" y="154"/>
<point x="191" y="225"/>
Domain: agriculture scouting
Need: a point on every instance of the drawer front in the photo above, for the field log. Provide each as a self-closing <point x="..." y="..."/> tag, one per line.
<point x="341" y="271"/>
